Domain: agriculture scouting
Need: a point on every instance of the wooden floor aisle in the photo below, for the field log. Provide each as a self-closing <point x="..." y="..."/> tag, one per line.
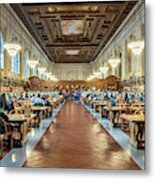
<point x="76" y="140"/>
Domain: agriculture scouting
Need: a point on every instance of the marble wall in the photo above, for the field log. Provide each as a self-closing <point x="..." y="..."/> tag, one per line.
<point x="72" y="71"/>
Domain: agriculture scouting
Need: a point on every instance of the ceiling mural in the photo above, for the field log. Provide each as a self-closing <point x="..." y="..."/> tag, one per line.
<point x="72" y="27"/>
<point x="73" y="32"/>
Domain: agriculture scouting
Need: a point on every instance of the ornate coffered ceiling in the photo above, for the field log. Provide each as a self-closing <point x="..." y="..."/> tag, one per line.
<point x="73" y="32"/>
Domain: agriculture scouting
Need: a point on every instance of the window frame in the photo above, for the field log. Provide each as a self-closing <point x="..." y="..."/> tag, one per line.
<point x="1" y="51"/>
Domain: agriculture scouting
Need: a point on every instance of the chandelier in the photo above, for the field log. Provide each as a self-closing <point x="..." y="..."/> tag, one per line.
<point x="114" y="62"/>
<point x="41" y="69"/>
<point x="32" y="63"/>
<point x="136" y="46"/>
<point x="98" y="74"/>
<point x="12" y="48"/>
<point x="48" y="74"/>
<point x="104" y="69"/>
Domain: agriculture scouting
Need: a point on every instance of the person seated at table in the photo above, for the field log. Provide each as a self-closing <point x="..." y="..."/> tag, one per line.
<point x="79" y="95"/>
<point x="43" y="97"/>
<point x="119" y="97"/>
<point x="128" y="108"/>
<point x="33" y="97"/>
<point x="60" y="93"/>
<point x="38" y="101"/>
<point x="87" y="95"/>
<point x="21" y="97"/>
<point x="142" y="99"/>
<point x="6" y="119"/>
<point x="95" y="97"/>
<point x="3" y="115"/>
<point x="47" y="103"/>
<point x="64" y="93"/>
<point x="106" y="96"/>
<point x="126" y="96"/>
<point x="26" y="96"/>
<point x="132" y="97"/>
<point x="113" y="101"/>
<point x="75" y="95"/>
<point x="6" y="103"/>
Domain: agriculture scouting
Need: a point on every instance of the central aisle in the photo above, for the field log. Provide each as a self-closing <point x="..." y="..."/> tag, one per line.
<point x="76" y="140"/>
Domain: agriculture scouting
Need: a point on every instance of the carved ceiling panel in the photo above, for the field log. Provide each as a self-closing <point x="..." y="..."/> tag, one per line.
<point x="73" y="32"/>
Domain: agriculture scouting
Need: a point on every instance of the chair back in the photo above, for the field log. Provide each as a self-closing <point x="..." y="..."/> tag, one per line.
<point x="140" y="112"/>
<point x="27" y="111"/>
<point x="3" y="126"/>
<point x="109" y="104"/>
<point x="16" y="111"/>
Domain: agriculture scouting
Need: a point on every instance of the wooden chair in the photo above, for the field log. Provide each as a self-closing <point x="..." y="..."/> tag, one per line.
<point x="49" y="110"/>
<point x="16" y="125"/>
<point x="125" y="124"/>
<point x="27" y="111"/>
<point x="16" y="104"/>
<point x="16" y="111"/>
<point x="40" y="116"/>
<point x="140" y="112"/>
<point x="6" y="136"/>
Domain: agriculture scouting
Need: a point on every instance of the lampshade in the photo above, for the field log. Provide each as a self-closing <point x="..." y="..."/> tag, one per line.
<point x="47" y="74"/>
<point x="12" y="48"/>
<point x="41" y="69"/>
<point x="72" y="52"/>
<point x="32" y="63"/>
<point x="114" y="62"/>
<point x="98" y="74"/>
<point x="104" y="69"/>
<point x="136" y="46"/>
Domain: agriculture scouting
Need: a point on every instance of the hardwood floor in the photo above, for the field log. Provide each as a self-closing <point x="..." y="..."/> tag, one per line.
<point x="76" y="140"/>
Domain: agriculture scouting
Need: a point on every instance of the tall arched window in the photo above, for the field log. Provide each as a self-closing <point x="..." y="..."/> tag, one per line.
<point x="16" y="63"/>
<point x="26" y="66"/>
<point x="1" y="52"/>
<point x="34" y="71"/>
<point x="39" y="75"/>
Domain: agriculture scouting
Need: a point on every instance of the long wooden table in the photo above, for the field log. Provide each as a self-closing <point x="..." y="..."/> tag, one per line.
<point x="32" y="108"/>
<point x="39" y="108"/>
<point x="18" y="120"/>
<point x="112" y="113"/>
<point x="135" y="108"/>
<point x="137" y="129"/>
<point x="97" y="104"/>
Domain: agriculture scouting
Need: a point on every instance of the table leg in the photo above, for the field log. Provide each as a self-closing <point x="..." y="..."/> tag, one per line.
<point x="18" y="142"/>
<point x="137" y="134"/>
<point x="140" y="135"/>
<point x="111" y="117"/>
<point x="1" y="146"/>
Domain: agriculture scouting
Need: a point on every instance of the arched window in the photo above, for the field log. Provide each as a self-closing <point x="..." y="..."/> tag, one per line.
<point x="26" y="66"/>
<point x="39" y="75"/>
<point x="16" y="63"/>
<point x="34" y="71"/>
<point x="1" y="52"/>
